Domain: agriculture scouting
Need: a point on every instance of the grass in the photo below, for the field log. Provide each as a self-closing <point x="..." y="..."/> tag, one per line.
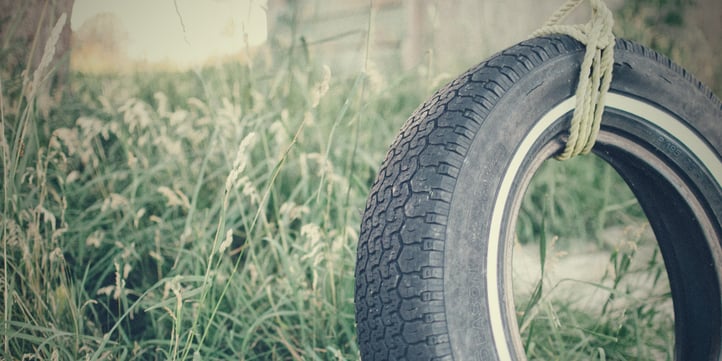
<point x="210" y="214"/>
<point x="213" y="214"/>
<point x="613" y="304"/>
<point x="574" y="203"/>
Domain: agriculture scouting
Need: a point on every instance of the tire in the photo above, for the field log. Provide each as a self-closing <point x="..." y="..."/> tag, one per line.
<point x="433" y="272"/>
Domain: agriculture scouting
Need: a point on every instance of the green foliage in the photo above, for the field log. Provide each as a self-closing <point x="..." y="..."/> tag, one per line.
<point x="630" y="316"/>
<point x="583" y="197"/>
<point x="208" y="214"/>
<point x="626" y="313"/>
<point x="669" y="27"/>
<point x="668" y="12"/>
<point x="213" y="214"/>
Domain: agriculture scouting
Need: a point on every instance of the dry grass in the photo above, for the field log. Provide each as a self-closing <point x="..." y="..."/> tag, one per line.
<point x="213" y="214"/>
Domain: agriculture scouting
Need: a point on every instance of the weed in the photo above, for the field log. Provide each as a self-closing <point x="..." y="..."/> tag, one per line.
<point x="212" y="214"/>
<point x="615" y="303"/>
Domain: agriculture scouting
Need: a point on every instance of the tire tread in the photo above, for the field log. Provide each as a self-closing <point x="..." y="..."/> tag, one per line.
<point x="399" y="300"/>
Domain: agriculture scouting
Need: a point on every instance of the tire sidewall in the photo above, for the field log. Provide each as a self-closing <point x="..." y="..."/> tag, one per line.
<point x="471" y="317"/>
<point x="477" y="284"/>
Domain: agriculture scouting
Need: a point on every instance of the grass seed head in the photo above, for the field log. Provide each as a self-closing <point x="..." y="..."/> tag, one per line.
<point x="320" y="89"/>
<point x="48" y="52"/>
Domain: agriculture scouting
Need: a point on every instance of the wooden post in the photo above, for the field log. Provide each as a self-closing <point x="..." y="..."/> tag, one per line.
<point x="416" y="25"/>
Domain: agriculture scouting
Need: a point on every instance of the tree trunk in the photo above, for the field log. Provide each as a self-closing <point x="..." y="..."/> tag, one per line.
<point x="25" y="27"/>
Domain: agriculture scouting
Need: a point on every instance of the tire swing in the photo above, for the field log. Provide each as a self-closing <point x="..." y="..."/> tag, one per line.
<point x="433" y="273"/>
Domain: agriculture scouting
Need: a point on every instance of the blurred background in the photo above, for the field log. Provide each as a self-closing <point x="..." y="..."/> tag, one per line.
<point x="402" y="34"/>
<point x="185" y="179"/>
<point x="436" y="37"/>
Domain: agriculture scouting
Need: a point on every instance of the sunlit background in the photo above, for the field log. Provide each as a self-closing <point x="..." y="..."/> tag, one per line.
<point x="442" y="36"/>
<point x="180" y="33"/>
<point x="192" y="188"/>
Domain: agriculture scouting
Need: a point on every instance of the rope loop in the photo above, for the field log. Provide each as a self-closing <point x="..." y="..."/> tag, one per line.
<point x="595" y="75"/>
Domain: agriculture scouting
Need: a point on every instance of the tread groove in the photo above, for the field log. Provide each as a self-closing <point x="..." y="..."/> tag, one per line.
<point x="399" y="271"/>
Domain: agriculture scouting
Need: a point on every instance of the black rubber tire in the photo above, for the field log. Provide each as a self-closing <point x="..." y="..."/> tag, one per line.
<point x="433" y="270"/>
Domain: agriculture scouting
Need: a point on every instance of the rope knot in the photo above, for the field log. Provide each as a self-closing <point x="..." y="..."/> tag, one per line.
<point x="595" y="75"/>
<point x="600" y="26"/>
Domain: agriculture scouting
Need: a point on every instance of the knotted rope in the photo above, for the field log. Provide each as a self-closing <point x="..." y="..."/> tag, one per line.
<point x="595" y="75"/>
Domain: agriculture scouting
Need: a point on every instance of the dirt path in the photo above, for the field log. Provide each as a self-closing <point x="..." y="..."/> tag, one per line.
<point x="585" y="275"/>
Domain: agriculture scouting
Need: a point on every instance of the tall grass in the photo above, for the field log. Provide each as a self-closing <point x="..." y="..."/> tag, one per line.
<point x="613" y="304"/>
<point x="574" y="204"/>
<point x="212" y="214"/>
<point x="205" y="215"/>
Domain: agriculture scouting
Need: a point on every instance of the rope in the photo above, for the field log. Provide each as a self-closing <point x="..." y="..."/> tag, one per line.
<point x="595" y="75"/>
